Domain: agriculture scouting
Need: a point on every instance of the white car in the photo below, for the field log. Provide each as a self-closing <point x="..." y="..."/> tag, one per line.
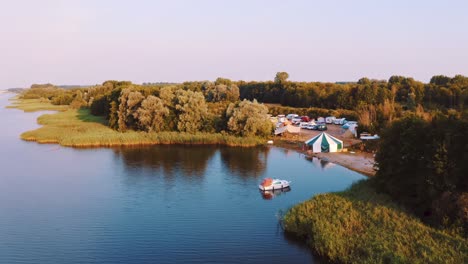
<point x="296" y="120"/>
<point x="291" y="116"/>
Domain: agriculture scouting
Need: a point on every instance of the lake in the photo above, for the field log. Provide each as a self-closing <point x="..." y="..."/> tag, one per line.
<point x="159" y="204"/>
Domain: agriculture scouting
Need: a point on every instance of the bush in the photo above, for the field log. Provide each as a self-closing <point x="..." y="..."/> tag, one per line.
<point x="362" y="226"/>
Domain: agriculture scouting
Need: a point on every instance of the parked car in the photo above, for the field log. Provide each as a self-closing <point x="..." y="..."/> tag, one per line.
<point x="320" y="120"/>
<point x="305" y="119"/>
<point x="291" y="116"/>
<point x="311" y="127"/>
<point x="321" y="127"/>
<point x="296" y="120"/>
<point x="303" y="125"/>
<point x="329" y="119"/>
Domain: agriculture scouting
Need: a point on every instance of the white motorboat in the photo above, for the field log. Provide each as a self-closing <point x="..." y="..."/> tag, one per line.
<point x="269" y="184"/>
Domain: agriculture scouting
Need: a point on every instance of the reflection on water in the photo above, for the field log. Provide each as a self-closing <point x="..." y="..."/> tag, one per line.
<point x="170" y="160"/>
<point x="245" y="162"/>
<point x="193" y="160"/>
<point x="320" y="163"/>
<point x="268" y="195"/>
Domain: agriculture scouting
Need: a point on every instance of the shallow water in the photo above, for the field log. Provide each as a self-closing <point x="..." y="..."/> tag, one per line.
<point x="160" y="204"/>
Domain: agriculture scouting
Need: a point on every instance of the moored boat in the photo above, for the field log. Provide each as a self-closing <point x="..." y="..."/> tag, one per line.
<point x="269" y="184"/>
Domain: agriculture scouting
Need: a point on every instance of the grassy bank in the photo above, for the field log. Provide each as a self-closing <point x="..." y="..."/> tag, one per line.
<point x="361" y="226"/>
<point x="78" y="128"/>
<point x="32" y="105"/>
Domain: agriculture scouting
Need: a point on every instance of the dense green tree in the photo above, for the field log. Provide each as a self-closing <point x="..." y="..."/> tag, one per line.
<point x="224" y="81"/>
<point x="129" y="103"/>
<point x="281" y="77"/>
<point x="221" y="91"/>
<point x="249" y="119"/>
<point x="151" y="114"/>
<point x="423" y="165"/>
<point x="191" y="109"/>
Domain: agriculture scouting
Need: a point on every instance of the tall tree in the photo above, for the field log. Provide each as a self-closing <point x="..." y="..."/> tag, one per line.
<point x="191" y="109"/>
<point x="249" y="119"/>
<point x="281" y="77"/>
<point x="129" y="102"/>
<point x="151" y="114"/>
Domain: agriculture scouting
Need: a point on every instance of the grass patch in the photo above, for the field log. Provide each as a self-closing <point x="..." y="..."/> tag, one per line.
<point x="79" y="128"/>
<point x="32" y="105"/>
<point x="362" y="226"/>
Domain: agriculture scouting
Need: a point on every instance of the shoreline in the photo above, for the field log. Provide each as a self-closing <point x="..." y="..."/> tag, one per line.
<point x="360" y="162"/>
<point x="66" y="128"/>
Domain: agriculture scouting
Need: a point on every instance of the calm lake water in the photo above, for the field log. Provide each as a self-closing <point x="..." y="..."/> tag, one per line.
<point x="160" y="204"/>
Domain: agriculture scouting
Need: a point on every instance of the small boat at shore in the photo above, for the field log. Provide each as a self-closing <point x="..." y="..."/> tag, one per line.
<point x="269" y="184"/>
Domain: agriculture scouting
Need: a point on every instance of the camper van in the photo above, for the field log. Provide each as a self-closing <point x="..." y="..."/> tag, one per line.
<point x="330" y="120"/>
<point x="340" y="121"/>
<point x="291" y="116"/>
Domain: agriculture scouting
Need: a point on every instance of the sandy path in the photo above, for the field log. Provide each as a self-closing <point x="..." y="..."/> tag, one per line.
<point x="361" y="162"/>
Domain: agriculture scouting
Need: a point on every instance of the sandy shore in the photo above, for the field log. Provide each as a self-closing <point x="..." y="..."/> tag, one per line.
<point x="361" y="162"/>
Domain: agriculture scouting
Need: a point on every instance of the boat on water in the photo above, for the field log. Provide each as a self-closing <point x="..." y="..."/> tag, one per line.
<point x="269" y="184"/>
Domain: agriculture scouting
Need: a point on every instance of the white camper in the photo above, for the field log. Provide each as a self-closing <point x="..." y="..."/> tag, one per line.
<point x="340" y="121"/>
<point x="330" y="119"/>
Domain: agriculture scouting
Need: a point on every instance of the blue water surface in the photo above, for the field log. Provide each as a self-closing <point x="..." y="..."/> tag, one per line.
<point x="159" y="204"/>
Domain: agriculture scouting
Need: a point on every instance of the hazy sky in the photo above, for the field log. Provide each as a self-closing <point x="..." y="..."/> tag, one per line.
<point x="90" y="41"/>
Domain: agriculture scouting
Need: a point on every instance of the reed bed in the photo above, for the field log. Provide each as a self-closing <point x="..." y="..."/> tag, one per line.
<point x="362" y="226"/>
<point x="33" y="105"/>
<point x="78" y="128"/>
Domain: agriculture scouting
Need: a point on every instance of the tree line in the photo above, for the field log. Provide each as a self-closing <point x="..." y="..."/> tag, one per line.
<point x="212" y="107"/>
<point x="374" y="103"/>
<point x="440" y="92"/>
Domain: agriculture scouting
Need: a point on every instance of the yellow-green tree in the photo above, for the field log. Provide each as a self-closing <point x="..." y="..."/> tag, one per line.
<point x="191" y="109"/>
<point x="249" y="119"/>
<point x="151" y="114"/>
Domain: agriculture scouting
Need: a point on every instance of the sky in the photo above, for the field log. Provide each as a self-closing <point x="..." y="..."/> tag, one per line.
<point x="90" y="41"/>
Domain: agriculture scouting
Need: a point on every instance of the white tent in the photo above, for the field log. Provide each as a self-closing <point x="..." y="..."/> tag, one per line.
<point x="323" y="142"/>
<point x="288" y="128"/>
